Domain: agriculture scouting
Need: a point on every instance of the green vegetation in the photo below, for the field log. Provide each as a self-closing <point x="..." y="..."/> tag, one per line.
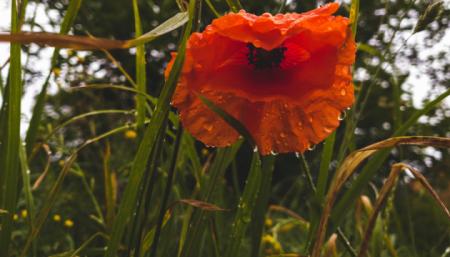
<point x="105" y="168"/>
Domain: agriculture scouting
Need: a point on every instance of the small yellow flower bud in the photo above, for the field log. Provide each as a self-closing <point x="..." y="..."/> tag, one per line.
<point x="57" y="218"/>
<point x="268" y="239"/>
<point x="57" y="72"/>
<point x="268" y="222"/>
<point x="68" y="223"/>
<point x="24" y="213"/>
<point x="15" y="217"/>
<point x="130" y="134"/>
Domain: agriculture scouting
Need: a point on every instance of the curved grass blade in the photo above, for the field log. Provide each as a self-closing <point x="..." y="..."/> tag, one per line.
<point x="375" y="163"/>
<point x="162" y="108"/>
<point x="384" y="193"/>
<point x="350" y="165"/>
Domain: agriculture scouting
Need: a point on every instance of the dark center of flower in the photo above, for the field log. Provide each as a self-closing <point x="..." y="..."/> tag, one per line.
<point x="263" y="59"/>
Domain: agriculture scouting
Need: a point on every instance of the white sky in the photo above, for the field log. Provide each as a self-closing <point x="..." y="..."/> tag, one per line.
<point x="417" y="83"/>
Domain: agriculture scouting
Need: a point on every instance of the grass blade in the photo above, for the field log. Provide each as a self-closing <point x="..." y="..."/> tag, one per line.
<point x="9" y="155"/>
<point x="238" y="126"/>
<point x="221" y="161"/>
<point x="354" y="11"/>
<point x="141" y="77"/>
<point x="327" y="154"/>
<point x="260" y="210"/>
<point x="245" y="209"/>
<point x="69" y="17"/>
<point x="162" y="108"/>
<point x="167" y="190"/>
<point x="375" y="163"/>
<point x="384" y="193"/>
<point x="350" y="165"/>
<point x="54" y="191"/>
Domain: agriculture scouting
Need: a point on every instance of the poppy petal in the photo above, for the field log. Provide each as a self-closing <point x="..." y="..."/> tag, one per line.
<point x="287" y="105"/>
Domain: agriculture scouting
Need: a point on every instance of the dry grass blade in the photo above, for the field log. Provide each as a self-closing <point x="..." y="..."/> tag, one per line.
<point x="91" y="43"/>
<point x="349" y="166"/>
<point x="202" y="205"/>
<point x="39" y="180"/>
<point x="289" y="212"/>
<point x="388" y="185"/>
<point x="63" y="41"/>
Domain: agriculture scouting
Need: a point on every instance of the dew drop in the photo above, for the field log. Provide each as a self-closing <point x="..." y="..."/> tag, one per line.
<point x="208" y="127"/>
<point x="343" y="92"/>
<point x="311" y="147"/>
<point x="342" y="116"/>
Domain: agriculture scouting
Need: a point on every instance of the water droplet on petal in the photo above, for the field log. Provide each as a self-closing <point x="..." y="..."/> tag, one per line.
<point x="343" y="92"/>
<point x="311" y="147"/>
<point x="342" y="116"/>
<point x="208" y="127"/>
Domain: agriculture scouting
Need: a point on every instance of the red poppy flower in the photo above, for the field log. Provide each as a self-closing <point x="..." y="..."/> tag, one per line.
<point x="286" y="78"/>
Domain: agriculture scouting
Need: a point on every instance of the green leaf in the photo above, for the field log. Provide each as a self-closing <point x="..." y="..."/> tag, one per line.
<point x="173" y="23"/>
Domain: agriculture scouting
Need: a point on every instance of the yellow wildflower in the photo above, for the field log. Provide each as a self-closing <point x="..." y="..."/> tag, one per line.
<point x="57" y="71"/>
<point x="68" y="223"/>
<point x="130" y="134"/>
<point x="57" y="218"/>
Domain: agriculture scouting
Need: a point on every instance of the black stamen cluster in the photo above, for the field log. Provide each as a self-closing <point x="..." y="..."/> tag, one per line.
<point x="262" y="59"/>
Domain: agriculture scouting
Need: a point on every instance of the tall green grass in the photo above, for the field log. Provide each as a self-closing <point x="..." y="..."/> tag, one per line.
<point x="176" y="200"/>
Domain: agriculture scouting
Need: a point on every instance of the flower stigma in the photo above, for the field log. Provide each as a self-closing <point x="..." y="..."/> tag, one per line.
<point x="262" y="59"/>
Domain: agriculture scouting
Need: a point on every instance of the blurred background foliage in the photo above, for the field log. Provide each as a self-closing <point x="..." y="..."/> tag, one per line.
<point x="413" y="224"/>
